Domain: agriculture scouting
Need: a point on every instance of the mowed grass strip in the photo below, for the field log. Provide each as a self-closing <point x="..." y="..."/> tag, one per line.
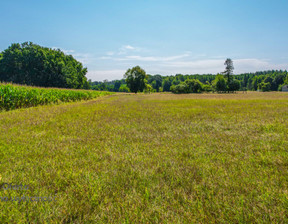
<point x="17" y="96"/>
<point x="158" y="158"/>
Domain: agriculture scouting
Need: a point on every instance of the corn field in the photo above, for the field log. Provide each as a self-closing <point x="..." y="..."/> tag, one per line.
<point x="15" y="96"/>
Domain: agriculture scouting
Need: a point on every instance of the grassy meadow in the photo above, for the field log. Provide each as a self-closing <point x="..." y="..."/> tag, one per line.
<point x="155" y="158"/>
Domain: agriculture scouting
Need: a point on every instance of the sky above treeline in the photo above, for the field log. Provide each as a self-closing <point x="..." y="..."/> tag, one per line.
<point x="163" y="37"/>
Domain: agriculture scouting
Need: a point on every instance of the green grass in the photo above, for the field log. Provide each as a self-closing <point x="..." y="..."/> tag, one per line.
<point x="157" y="158"/>
<point x="16" y="96"/>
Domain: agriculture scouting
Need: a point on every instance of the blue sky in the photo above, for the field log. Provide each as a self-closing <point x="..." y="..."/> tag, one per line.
<point x="163" y="37"/>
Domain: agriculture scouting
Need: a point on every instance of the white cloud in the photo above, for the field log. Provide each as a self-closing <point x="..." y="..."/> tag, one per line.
<point x="65" y="51"/>
<point x="85" y="58"/>
<point x="68" y="51"/>
<point x="128" y="48"/>
<point x="151" y="58"/>
<point x="253" y="65"/>
<point x="185" y="63"/>
<point x="105" y="57"/>
<point x="167" y="66"/>
<point x="100" y="75"/>
<point x="110" y="53"/>
<point x="215" y="66"/>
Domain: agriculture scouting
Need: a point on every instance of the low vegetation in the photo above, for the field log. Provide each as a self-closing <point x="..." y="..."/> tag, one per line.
<point x="147" y="158"/>
<point x="16" y="96"/>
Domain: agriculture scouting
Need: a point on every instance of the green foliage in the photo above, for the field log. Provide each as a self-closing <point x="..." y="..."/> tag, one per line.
<point x="148" y="88"/>
<point x="229" y="69"/>
<point x="34" y="65"/>
<point x="264" y="86"/>
<point x="277" y="81"/>
<point x="247" y="81"/>
<point x="166" y="84"/>
<point x="13" y="96"/>
<point x="117" y="86"/>
<point x="234" y="85"/>
<point x="180" y="88"/>
<point x="155" y="81"/>
<point x="176" y="81"/>
<point x="220" y="83"/>
<point x="286" y="80"/>
<point x="188" y="86"/>
<point x="124" y="88"/>
<point x="207" y="87"/>
<point x="280" y="87"/>
<point x="194" y="86"/>
<point x="135" y="79"/>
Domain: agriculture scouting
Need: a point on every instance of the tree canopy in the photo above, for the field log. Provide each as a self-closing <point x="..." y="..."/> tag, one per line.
<point x="34" y="65"/>
<point x="229" y="69"/>
<point x="135" y="79"/>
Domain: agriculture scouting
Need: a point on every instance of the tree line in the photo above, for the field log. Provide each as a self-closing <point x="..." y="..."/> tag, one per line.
<point x="34" y="65"/>
<point x="223" y="82"/>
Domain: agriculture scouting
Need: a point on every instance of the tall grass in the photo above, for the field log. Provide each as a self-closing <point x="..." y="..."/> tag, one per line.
<point x="155" y="158"/>
<point x="15" y="96"/>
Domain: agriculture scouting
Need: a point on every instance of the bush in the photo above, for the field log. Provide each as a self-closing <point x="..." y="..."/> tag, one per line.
<point x="207" y="88"/>
<point x="234" y="85"/>
<point x="220" y="83"/>
<point x="188" y="86"/>
<point x="264" y="86"/>
<point x="124" y="88"/>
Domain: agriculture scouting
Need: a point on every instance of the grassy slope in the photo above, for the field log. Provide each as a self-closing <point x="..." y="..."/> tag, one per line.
<point x="149" y="158"/>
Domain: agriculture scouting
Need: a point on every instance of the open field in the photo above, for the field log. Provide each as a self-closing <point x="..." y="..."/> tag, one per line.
<point x="156" y="158"/>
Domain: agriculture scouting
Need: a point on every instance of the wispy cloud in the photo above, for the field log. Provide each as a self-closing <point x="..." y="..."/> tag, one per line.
<point x="101" y="75"/>
<point x="215" y="66"/>
<point x="254" y="64"/>
<point x="129" y="47"/>
<point x="186" y="63"/>
<point x="151" y="58"/>
<point x="110" y="53"/>
<point x="105" y="57"/>
<point x="64" y="50"/>
<point x="125" y="49"/>
<point x="85" y="58"/>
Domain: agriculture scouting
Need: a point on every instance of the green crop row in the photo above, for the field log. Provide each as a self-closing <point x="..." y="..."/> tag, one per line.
<point x="14" y="96"/>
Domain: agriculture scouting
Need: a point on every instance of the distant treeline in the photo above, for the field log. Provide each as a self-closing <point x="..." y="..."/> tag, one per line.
<point x="263" y="81"/>
<point x="33" y="65"/>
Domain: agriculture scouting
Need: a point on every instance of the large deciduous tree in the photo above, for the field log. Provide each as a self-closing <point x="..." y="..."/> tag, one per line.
<point x="32" y="64"/>
<point x="135" y="79"/>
